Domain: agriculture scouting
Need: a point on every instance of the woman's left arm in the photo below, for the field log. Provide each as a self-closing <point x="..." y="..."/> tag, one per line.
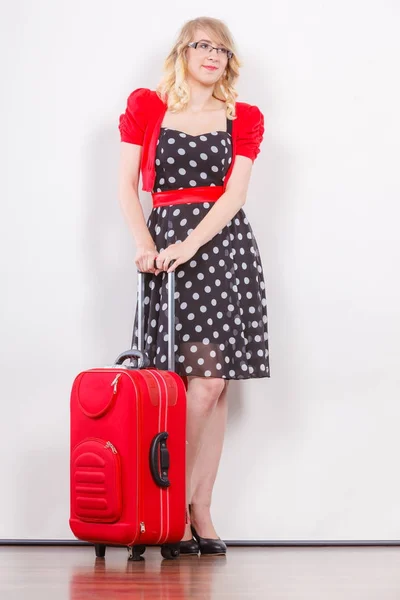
<point x="222" y="211"/>
<point x="226" y="206"/>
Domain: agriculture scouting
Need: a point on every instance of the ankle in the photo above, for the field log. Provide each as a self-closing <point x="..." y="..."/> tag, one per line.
<point x="200" y="508"/>
<point x="188" y="534"/>
<point x="200" y="515"/>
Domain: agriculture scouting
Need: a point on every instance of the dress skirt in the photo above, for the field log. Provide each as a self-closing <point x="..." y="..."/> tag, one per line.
<point x="221" y="322"/>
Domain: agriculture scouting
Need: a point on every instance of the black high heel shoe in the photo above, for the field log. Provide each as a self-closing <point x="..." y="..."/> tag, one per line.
<point x="189" y="546"/>
<point x="209" y="545"/>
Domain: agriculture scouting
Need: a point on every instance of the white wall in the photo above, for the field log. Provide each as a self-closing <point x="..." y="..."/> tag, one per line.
<point x="312" y="453"/>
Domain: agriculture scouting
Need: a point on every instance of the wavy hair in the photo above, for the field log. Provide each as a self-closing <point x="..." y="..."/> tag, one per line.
<point x="173" y="87"/>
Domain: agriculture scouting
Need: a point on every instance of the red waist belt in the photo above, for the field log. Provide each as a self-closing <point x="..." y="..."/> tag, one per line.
<point x="207" y="193"/>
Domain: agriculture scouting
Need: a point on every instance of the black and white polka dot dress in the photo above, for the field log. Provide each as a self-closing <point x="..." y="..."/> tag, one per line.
<point x="221" y="324"/>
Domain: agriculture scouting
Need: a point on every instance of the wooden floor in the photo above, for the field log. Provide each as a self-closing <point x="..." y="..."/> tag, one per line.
<point x="73" y="573"/>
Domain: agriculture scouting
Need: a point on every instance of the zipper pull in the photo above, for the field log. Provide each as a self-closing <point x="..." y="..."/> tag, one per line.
<point x="112" y="448"/>
<point x="115" y="383"/>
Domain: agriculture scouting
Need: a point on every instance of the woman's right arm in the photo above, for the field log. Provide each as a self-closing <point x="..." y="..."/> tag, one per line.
<point x="128" y="183"/>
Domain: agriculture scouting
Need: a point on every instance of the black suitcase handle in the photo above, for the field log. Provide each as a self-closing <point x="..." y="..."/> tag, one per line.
<point x="159" y="460"/>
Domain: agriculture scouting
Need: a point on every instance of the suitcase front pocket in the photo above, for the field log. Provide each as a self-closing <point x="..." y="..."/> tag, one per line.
<point x="96" y="481"/>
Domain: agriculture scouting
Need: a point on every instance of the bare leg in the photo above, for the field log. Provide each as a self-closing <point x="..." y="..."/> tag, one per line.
<point x="202" y="396"/>
<point x="206" y="468"/>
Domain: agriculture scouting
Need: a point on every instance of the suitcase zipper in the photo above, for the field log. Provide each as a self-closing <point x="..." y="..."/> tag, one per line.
<point x="115" y="383"/>
<point x="112" y="448"/>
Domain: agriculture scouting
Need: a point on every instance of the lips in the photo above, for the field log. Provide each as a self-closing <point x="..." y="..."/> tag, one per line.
<point x="210" y="68"/>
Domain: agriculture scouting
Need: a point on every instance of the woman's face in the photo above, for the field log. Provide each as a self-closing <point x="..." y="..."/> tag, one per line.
<point x="204" y="66"/>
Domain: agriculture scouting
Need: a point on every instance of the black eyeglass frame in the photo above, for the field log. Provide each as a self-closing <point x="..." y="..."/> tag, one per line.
<point x="229" y="53"/>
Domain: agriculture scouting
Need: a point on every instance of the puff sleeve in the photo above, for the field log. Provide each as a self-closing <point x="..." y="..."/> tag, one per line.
<point x="133" y="122"/>
<point x="251" y="133"/>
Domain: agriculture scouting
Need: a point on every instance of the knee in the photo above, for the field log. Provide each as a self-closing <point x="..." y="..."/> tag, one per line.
<point x="211" y="387"/>
<point x="203" y="393"/>
<point x="214" y="386"/>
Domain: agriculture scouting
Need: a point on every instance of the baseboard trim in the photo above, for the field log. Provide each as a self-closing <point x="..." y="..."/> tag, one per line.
<point x="242" y="543"/>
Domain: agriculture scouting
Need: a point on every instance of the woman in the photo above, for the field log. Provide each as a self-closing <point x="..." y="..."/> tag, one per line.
<point x="195" y="147"/>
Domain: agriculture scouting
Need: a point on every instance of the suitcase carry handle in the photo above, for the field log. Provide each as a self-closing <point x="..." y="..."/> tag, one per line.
<point x="158" y="449"/>
<point x="144" y="360"/>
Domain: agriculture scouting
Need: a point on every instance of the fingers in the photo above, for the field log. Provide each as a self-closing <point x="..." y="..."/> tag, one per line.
<point x="168" y="263"/>
<point x="145" y="263"/>
<point x="153" y="266"/>
<point x="142" y="265"/>
<point x="175" y="264"/>
<point x="164" y="262"/>
<point x="157" y="266"/>
<point x="150" y="264"/>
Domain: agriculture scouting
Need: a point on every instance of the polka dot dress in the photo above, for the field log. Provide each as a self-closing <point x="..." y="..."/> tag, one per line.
<point x="184" y="161"/>
<point x="221" y="323"/>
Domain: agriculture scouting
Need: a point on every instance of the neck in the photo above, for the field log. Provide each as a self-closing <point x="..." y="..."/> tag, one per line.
<point x="201" y="96"/>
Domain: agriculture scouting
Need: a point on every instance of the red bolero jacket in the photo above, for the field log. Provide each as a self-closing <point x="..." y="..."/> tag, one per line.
<point x="141" y="123"/>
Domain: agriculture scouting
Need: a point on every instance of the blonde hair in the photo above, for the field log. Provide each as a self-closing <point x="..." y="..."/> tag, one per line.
<point x="173" y="87"/>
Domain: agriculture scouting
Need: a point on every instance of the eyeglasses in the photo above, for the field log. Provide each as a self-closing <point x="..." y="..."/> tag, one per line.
<point x="204" y="48"/>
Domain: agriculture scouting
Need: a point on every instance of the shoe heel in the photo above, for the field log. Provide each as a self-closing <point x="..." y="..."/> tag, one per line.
<point x="208" y="545"/>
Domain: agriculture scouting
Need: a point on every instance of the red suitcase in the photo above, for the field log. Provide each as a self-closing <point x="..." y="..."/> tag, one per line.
<point x="128" y="448"/>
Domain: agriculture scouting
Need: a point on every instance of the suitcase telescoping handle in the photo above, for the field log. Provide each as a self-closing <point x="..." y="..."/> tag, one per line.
<point x="143" y="359"/>
<point x="171" y="317"/>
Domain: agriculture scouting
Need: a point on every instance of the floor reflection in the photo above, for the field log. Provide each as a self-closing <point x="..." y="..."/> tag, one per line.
<point x="153" y="578"/>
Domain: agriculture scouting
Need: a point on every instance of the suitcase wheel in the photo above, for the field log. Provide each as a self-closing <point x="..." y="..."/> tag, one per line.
<point x="100" y="550"/>
<point x="170" y="551"/>
<point x="135" y="552"/>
